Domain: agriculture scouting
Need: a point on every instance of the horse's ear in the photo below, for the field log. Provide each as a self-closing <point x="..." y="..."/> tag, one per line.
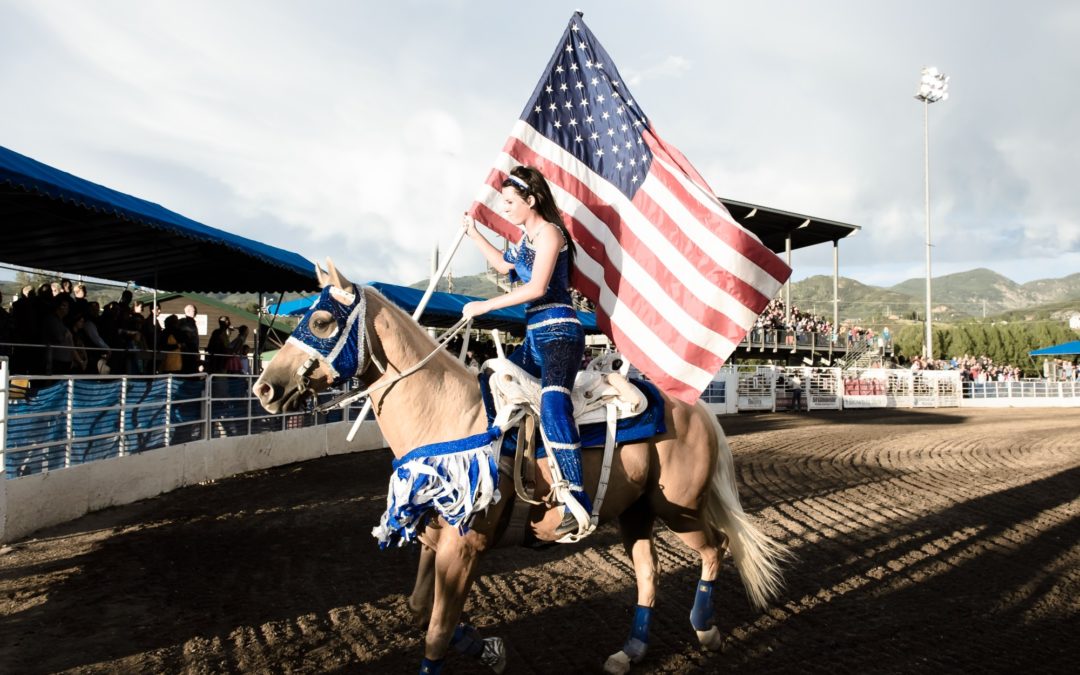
<point x="336" y="278"/>
<point x="320" y="275"/>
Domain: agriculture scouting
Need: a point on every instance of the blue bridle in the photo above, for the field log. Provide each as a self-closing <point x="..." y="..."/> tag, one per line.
<point x="343" y="351"/>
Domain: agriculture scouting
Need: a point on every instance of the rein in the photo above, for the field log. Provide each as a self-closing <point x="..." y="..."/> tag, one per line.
<point x="352" y="396"/>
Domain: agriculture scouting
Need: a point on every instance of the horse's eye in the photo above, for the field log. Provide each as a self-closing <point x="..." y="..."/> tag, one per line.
<point x="323" y="325"/>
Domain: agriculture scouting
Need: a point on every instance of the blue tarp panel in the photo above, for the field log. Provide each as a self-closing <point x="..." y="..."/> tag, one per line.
<point x="54" y="220"/>
<point x="443" y="309"/>
<point x="146" y="402"/>
<point x="1064" y="349"/>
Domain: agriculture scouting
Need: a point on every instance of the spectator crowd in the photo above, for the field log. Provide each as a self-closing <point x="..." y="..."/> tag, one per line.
<point x="55" y="329"/>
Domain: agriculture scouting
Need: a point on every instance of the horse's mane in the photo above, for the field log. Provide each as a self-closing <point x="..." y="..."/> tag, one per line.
<point x="414" y="326"/>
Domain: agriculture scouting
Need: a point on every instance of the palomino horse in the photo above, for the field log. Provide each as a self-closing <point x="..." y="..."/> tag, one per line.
<point x="684" y="477"/>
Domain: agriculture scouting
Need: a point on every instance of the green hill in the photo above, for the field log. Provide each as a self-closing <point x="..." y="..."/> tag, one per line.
<point x="477" y="285"/>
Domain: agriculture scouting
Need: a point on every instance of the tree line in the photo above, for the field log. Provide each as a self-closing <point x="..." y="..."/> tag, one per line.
<point x="1004" y="343"/>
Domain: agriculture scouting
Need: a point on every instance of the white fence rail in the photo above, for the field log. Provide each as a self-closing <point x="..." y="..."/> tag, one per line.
<point x="55" y="422"/>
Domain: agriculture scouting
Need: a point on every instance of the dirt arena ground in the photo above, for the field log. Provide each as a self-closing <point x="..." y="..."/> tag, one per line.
<point x="928" y="541"/>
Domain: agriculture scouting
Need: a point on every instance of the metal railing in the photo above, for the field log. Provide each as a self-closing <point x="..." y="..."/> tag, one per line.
<point x="53" y="422"/>
<point x="1024" y="389"/>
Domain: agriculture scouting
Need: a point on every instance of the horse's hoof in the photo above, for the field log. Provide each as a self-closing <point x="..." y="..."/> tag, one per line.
<point x="710" y="639"/>
<point x="494" y="654"/>
<point x="617" y="664"/>
<point x="420" y="616"/>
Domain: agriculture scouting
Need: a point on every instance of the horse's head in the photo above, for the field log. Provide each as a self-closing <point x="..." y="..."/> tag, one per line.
<point x="326" y="349"/>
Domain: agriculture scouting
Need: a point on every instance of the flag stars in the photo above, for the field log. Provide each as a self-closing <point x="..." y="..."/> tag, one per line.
<point x="558" y="69"/>
<point x="572" y="122"/>
<point x="595" y="81"/>
<point x="600" y="98"/>
<point x="633" y="162"/>
<point x="548" y="89"/>
<point x="599" y="152"/>
<point x="558" y="124"/>
<point x="552" y="107"/>
<point x="623" y="128"/>
<point x="563" y="87"/>
<point x="610" y="132"/>
<point x="538" y="109"/>
<point x="634" y="179"/>
<point x="579" y="84"/>
<point x="584" y="102"/>
<point x="594" y="136"/>
<point x="574" y="67"/>
<point x="605" y="115"/>
<point x="589" y="119"/>
<point x="574" y="27"/>
<point x="588" y="63"/>
<point x="568" y="105"/>
<point x="578" y="138"/>
<point x="619" y="166"/>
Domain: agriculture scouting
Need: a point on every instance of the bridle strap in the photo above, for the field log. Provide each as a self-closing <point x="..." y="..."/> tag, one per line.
<point x="350" y="397"/>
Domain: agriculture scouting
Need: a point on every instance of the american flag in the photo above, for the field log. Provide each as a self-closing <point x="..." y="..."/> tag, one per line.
<point x="676" y="281"/>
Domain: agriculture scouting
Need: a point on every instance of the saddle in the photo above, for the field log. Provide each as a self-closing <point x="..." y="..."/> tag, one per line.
<point x="599" y="395"/>
<point x="594" y="391"/>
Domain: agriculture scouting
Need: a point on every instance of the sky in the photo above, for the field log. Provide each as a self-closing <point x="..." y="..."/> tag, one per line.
<point x="362" y="130"/>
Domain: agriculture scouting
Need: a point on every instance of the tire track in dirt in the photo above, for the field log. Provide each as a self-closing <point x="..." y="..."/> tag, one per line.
<point x="927" y="541"/>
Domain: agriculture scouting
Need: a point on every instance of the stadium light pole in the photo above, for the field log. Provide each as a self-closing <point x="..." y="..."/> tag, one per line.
<point x="933" y="87"/>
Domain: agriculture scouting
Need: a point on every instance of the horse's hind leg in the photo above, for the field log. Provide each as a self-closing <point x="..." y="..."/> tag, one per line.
<point x="702" y="614"/>
<point x="636" y="524"/>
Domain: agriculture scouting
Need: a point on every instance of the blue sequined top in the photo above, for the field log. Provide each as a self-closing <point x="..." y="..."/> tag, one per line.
<point x="523" y="255"/>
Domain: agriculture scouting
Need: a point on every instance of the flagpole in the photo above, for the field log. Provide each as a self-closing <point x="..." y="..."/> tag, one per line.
<point x="416" y="316"/>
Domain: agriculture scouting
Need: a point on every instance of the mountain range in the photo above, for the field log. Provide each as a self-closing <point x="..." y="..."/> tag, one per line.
<point x="977" y="293"/>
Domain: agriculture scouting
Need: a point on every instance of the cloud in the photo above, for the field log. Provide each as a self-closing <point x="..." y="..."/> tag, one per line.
<point x="362" y="130"/>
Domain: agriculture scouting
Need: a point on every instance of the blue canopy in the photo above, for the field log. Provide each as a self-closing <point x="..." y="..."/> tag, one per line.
<point x="1063" y="349"/>
<point x="54" y="220"/>
<point x="443" y="309"/>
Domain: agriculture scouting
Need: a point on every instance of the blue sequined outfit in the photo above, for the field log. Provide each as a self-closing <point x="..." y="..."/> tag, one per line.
<point x="553" y="349"/>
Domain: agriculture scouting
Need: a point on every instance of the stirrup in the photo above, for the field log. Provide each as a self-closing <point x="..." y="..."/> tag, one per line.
<point x="576" y="524"/>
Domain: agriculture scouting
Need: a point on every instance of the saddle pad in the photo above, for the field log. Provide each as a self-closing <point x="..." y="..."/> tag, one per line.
<point x="647" y="424"/>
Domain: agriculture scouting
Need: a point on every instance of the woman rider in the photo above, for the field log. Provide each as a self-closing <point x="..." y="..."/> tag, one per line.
<point x="554" y="339"/>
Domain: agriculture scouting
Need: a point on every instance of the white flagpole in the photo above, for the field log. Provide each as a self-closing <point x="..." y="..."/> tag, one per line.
<point x="416" y="316"/>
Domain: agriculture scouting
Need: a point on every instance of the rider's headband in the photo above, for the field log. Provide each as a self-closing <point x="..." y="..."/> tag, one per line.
<point x="514" y="180"/>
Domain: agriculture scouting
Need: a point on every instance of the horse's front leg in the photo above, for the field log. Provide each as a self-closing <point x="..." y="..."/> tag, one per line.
<point x="420" y="601"/>
<point x="456" y="566"/>
<point x="637" y="524"/>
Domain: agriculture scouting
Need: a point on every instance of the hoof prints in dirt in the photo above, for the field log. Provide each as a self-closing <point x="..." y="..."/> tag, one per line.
<point x="926" y="541"/>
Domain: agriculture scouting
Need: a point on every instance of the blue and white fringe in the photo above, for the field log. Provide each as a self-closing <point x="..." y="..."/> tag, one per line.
<point x="457" y="479"/>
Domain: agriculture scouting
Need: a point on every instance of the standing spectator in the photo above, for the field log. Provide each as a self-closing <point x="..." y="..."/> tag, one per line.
<point x="217" y="349"/>
<point x="172" y="362"/>
<point x="59" y="344"/>
<point x="796" y="393"/>
<point x="7" y="328"/>
<point x="233" y="363"/>
<point x="189" y="340"/>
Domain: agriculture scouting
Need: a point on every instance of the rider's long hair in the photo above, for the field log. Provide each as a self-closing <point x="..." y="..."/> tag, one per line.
<point x="545" y="202"/>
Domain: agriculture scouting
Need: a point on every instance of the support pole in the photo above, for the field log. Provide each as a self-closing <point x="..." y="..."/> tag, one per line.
<point x="929" y="347"/>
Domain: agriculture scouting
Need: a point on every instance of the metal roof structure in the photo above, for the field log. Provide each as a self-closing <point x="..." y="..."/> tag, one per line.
<point x="773" y="226"/>
<point x="54" y="220"/>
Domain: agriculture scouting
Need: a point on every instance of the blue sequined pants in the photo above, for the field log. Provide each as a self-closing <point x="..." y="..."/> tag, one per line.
<point x="554" y="353"/>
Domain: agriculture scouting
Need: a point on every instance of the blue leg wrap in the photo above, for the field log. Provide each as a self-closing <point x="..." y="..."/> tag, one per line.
<point x="430" y="667"/>
<point x="467" y="640"/>
<point x="638" y="642"/>
<point x="701" y="616"/>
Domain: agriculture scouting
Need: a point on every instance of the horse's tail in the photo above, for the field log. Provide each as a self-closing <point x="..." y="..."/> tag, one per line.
<point x="756" y="555"/>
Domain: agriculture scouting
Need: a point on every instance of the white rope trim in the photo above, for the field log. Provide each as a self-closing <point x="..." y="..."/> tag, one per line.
<point x="550" y="305"/>
<point x="555" y="388"/>
<point x="549" y="322"/>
